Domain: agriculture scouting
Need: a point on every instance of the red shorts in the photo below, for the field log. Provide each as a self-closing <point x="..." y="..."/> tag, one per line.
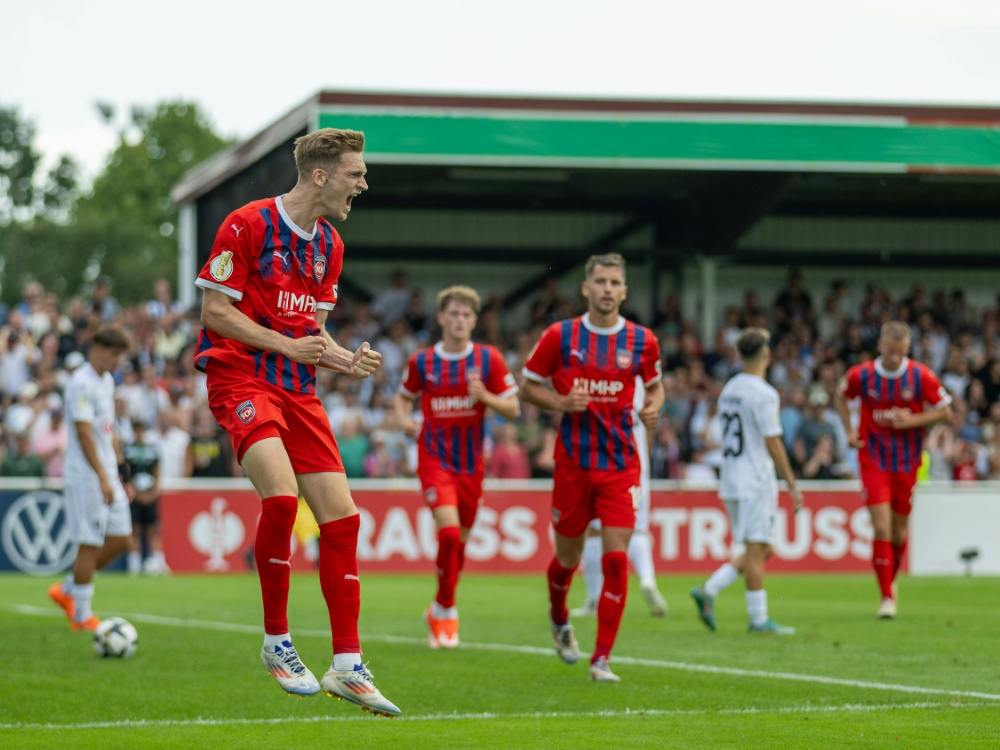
<point x="465" y="491"/>
<point x="250" y="410"/>
<point x="879" y="487"/>
<point x="581" y="495"/>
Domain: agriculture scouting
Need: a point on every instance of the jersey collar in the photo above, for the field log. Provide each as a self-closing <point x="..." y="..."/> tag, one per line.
<point x="452" y="356"/>
<point x="891" y="375"/>
<point x="292" y="225"/>
<point x="602" y="331"/>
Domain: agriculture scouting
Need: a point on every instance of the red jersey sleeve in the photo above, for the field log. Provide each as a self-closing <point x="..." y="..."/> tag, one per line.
<point x="329" y="292"/>
<point x="232" y="257"/>
<point x="935" y="394"/>
<point x="412" y="384"/>
<point x="501" y="382"/>
<point x="545" y="358"/>
<point x="850" y="384"/>
<point x="650" y="368"/>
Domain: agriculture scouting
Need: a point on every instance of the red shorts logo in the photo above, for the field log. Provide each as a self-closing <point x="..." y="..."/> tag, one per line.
<point x="431" y="495"/>
<point x="246" y="412"/>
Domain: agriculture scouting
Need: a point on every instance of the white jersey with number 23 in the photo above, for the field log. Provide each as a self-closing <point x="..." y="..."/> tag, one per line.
<point x="748" y="409"/>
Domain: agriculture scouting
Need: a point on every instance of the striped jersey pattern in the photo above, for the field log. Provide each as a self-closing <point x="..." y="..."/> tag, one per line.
<point x="453" y="428"/>
<point x="606" y="361"/>
<point x="913" y="386"/>
<point x="279" y="275"/>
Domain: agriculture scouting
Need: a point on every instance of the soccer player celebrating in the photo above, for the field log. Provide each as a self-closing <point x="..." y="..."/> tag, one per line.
<point x="592" y="362"/>
<point x="899" y="398"/>
<point x="455" y="380"/>
<point x="269" y="284"/>
<point x="751" y="451"/>
<point x="97" y="505"/>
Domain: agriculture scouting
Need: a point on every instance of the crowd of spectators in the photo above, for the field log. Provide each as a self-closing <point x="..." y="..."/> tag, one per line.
<point x="43" y="338"/>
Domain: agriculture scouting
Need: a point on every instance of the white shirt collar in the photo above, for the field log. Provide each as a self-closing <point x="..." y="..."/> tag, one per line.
<point x="602" y="331"/>
<point x="880" y="368"/>
<point x="452" y="356"/>
<point x="295" y="227"/>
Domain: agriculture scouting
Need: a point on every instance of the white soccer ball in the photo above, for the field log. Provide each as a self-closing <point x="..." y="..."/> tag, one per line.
<point x="115" y="638"/>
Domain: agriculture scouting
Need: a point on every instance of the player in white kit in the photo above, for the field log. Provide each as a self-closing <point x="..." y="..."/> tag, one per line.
<point x="751" y="450"/>
<point x="640" y="549"/>
<point x="96" y="503"/>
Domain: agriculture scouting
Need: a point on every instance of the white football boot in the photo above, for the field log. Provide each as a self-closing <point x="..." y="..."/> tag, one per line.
<point x="286" y="667"/>
<point x="357" y="686"/>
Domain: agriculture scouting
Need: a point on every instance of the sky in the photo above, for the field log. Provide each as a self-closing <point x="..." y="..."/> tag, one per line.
<point x="246" y="65"/>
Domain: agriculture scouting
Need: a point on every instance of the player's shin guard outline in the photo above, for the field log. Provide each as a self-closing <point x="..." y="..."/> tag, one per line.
<point x="272" y="552"/>
<point x="338" y="578"/>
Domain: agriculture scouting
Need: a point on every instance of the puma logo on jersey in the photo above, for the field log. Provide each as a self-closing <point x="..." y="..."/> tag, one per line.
<point x="236" y="229"/>
<point x="579" y="354"/>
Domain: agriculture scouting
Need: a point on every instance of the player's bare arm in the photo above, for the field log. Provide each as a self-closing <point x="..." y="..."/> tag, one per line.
<point x="360" y="363"/>
<point x="220" y="316"/>
<point x="844" y="411"/>
<point x="649" y="414"/>
<point x="573" y="402"/>
<point x="904" y="419"/>
<point x="404" y="410"/>
<point x="85" y="434"/>
<point x="508" y="407"/>
<point x="779" y="455"/>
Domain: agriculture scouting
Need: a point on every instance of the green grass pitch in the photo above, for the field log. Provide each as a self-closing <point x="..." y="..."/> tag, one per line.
<point x="930" y="679"/>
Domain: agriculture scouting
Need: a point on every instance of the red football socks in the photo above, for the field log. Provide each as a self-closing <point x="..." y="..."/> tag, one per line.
<point x="449" y="549"/>
<point x="559" y="582"/>
<point x="898" y="551"/>
<point x="883" y="562"/>
<point x="611" y="605"/>
<point x="338" y="578"/>
<point x="271" y="550"/>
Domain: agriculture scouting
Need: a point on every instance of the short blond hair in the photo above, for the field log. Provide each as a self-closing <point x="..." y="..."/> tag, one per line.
<point x="323" y="148"/>
<point x="464" y="295"/>
<point x="895" y="330"/>
<point x="604" y="259"/>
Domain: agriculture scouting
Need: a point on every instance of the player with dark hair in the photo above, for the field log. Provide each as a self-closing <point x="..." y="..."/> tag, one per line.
<point x="592" y="362"/>
<point x="455" y="380"/>
<point x="270" y="282"/>
<point x="96" y="500"/>
<point x="752" y="449"/>
<point x="899" y="398"/>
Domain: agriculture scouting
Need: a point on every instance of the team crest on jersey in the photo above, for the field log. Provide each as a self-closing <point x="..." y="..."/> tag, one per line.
<point x="623" y="358"/>
<point x="906" y="394"/>
<point x="246" y="412"/>
<point x="319" y="268"/>
<point x="222" y="266"/>
<point x="431" y="495"/>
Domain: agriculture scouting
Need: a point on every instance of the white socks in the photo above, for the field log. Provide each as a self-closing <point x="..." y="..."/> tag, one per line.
<point x="593" y="575"/>
<point x="757" y="606"/>
<point x="270" y="641"/>
<point x="443" y="613"/>
<point x="346" y="662"/>
<point x="83" y="594"/>
<point x="640" y="554"/>
<point x="720" y="579"/>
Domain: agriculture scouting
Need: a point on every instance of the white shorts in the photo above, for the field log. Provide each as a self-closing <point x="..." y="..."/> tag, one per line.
<point x="89" y="518"/>
<point x="752" y="520"/>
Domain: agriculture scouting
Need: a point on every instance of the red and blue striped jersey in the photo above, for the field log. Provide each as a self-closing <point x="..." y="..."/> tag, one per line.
<point x="606" y="361"/>
<point x="279" y="274"/>
<point x="452" y="432"/>
<point x="912" y="388"/>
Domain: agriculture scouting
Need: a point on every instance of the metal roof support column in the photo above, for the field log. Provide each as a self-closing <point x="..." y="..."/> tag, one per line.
<point x="187" y="254"/>
<point x="707" y="286"/>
